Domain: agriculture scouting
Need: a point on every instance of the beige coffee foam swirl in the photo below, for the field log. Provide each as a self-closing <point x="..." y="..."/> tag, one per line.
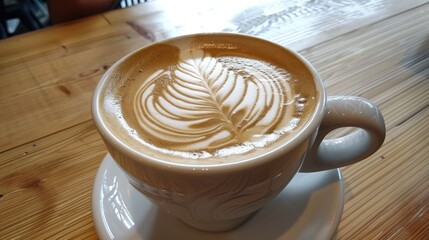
<point x="216" y="105"/>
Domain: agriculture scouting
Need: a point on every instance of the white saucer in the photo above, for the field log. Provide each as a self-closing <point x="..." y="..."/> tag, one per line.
<point x="311" y="205"/>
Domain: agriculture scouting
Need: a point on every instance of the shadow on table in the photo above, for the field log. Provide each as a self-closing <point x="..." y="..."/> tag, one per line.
<point x="417" y="59"/>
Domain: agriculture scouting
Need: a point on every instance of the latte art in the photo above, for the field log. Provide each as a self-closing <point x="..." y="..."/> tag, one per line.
<point x="208" y="100"/>
<point x="207" y="103"/>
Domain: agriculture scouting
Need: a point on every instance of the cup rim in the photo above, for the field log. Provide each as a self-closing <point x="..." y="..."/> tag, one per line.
<point x="303" y="134"/>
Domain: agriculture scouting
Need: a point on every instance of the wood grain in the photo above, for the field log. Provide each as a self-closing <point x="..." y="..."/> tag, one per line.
<point x="50" y="150"/>
<point x="387" y="195"/>
<point x="53" y="177"/>
<point x="58" y="86"/>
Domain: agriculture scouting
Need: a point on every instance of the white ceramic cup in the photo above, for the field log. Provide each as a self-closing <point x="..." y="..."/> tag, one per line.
<point x="221" y="197"/>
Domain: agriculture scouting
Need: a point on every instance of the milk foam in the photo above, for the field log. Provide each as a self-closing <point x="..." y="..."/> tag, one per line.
<point x="206" y="103"/>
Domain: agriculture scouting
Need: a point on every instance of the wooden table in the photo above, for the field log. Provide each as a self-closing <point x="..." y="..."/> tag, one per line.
<point x="50" y="149"/>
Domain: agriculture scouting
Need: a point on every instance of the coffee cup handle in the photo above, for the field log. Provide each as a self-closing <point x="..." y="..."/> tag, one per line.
<point x="346" y="111"/>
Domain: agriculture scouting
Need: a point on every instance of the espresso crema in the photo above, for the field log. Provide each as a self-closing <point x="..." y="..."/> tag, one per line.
<point x="201" y="99"/>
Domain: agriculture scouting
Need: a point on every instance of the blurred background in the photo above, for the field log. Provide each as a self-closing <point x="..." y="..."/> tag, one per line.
<point x="20" y="16"/>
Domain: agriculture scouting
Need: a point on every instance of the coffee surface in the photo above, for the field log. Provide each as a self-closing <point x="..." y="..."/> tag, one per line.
<point x="196" y="100"/>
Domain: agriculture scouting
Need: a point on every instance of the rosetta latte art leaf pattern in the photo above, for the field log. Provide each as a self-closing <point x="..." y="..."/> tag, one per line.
<point x="206" y="102"/>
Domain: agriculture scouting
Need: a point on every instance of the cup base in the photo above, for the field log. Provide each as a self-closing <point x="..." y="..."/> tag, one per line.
<point x="219" y="227"/>
<point x="310" y="199"/>
<point x="211" y="226"/>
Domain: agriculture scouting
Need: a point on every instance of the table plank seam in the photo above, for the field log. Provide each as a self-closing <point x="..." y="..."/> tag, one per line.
<point x="47" y="135"/>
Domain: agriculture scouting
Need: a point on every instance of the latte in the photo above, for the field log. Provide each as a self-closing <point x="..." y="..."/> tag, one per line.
<point x="207" y="100"/>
